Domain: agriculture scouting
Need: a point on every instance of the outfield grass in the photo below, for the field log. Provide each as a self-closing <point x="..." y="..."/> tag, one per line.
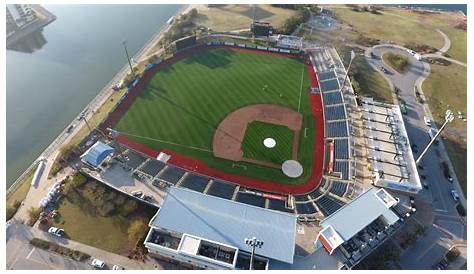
<point x="183" y="104"/>
<point x="397" y="61"/>
<point x="446" y="88"/>
<point x="257" y="132"/>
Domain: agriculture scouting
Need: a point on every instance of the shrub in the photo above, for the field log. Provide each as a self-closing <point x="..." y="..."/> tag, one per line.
<point x="128" y="207"/>
<point x="40" y="243"/>
<point x="33" y="215"/>
<point x="11" y="210"/>
<point x="137" y="229"/>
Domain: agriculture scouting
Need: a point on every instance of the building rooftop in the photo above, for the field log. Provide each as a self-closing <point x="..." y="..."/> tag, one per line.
<point x="389" y="148"/>
<point x="228" y="222"/>
<point x="355" y="216"/>
<point x="96" y="154"/>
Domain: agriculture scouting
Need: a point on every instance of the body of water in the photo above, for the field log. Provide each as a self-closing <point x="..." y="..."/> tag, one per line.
<point x="54" y="73"/>
<point x="447" y="7"/>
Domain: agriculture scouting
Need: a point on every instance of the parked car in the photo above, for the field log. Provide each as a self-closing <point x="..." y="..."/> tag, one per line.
<point x="118" y="267"/>
<point x="137" y="194"/>
<point x="56" y="231"/>
<point x="146" y="197"/>
<point x="427" y="121"/>
<point x="96" y="263"/>
<point x="455" y="195"/>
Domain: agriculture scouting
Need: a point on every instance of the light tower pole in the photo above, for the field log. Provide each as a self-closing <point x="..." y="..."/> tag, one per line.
<point x="347" y="71"/>
<point x="448" y="118"/>
<point x="128" y="57"/>
<point x="253" y="242"/>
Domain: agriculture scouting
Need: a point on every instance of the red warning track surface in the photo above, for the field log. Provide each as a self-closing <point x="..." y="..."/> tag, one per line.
<point x="201" y="167"/>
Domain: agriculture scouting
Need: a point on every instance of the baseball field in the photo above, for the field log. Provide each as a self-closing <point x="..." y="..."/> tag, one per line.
<point x="182" y="105"/>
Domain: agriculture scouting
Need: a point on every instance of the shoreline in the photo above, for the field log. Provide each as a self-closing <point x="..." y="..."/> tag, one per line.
<point x="102" y="97"/>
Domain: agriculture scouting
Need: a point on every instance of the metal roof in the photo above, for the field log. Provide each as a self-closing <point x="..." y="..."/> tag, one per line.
<point x="96" y="154"/>
<point x="228" y="222"/>
<point x="360" y="212"/>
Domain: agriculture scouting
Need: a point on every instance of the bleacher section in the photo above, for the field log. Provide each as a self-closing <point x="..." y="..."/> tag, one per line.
<point x="336" y="129"/>
<point x="306" y="208"/>
<point x="341" y="147"/>
<point x="315" y="194"/>
<point x="334" y="113"/>
<point x="134" y="159"/>
<point x="250" y="199"/>
<point x="332" y="98"/>
<point x="278" y="205"/>
<point x="328" y="205"/>
<point x="343" y="168"/>
<point x="338" y="188"/>
<point x="152" y="167"/>
<point x="171" y="174"/>
<point x="220" y="189"/>
<point x="195" y="182"/>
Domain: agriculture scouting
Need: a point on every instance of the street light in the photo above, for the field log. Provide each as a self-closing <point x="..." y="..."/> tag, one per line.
<point x="128" y="57"/>
<point x="448" y="118"/>
<point x="253" y="242"/>
<point x="348" y="68"/>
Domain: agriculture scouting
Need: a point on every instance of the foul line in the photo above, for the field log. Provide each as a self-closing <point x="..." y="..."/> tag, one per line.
<point x="301" y="87"/>
<point x="166" y="142"/>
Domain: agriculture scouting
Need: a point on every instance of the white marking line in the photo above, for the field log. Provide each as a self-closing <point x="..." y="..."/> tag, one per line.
<point x="241" y="166"/>
<point x="305" y="129"/>
<point x="166" y="142"/>
<point x="301" y="88"/>
<point x="31" y="252"/>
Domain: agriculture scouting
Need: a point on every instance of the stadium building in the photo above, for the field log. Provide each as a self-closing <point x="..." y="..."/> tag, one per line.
<point x="208" y="232"/>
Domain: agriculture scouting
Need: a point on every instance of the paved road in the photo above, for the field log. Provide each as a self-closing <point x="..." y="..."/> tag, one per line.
<point x="448" y="228"/>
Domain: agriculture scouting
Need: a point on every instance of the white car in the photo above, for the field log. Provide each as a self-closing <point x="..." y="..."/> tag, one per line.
<point x="56" y="231"/>
<point x="427" y="121"/>
<point x="118" y="267"/>
<point x="455" y="195"/>
<point x="97" y="263"/>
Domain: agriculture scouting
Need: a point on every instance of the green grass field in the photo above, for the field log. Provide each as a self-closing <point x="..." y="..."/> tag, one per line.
<point x="396" y="61"/>
<point x="183" y="104"/>
<point x="257" y="132"/>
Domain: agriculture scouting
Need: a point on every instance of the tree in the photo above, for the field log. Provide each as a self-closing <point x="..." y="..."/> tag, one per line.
<point x="33" y="215"/>
<point x="137" y="229"/>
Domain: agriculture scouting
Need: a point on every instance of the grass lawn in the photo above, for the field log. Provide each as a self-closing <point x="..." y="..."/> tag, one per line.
<point x="257" y="132"/>
<point x="82" y="220"/>
<point x="18" y="194"/>
<point x="397" y="61"/>
<point x="390" y="26"/>
<point x="183" y="104"/>
<point x="370" y="82"/>
<point x="458" y="49"/>
<point x="446" y="88"/>
<point x="217" y="18"/>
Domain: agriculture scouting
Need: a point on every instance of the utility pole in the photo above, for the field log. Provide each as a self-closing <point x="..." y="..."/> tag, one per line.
<point x="347" y="71"/>
<point x="128" y="57"/>
<point x="253" y="242"/>
<point x="448" y="118"/>
<point x="83" y="117"/>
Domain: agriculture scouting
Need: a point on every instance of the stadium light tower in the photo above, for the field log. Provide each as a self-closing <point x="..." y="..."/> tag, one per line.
<point x="348" y="68"/>
<point x="124" y="43"/>
<point x="253" y="242"/>
<point x="448" y="118"/>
